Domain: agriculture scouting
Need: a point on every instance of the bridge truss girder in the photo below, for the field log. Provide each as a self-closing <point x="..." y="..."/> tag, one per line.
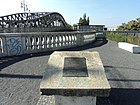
<point x="43" y="21"/>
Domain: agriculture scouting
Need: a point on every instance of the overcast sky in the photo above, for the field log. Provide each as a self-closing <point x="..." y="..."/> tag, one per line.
<point x="109" y="12"/>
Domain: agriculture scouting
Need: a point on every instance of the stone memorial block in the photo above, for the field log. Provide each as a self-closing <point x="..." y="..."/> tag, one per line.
<point x="75" y="78"/>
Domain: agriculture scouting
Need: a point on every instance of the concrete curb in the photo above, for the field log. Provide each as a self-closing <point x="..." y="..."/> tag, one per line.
<point x="129" y="47"/>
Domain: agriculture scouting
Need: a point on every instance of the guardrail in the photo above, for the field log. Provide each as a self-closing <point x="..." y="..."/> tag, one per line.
<point x="24" y="43"/>
<point x="133" y="33"/>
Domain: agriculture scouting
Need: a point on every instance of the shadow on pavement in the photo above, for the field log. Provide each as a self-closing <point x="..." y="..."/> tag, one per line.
<point x="6" y="61"/>
<point x="121" y="96"/>
<point x="107" y="68"/>
<point x="94" y="44"/>
<point x="124" y="96"/>
<point x="21" y="76"/>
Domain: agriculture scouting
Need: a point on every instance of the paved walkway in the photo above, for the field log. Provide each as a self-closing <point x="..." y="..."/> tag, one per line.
<point x="20" y="76"/>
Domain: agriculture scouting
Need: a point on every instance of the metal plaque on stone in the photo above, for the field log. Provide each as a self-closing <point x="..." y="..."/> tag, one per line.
<point x="75" y="67"/>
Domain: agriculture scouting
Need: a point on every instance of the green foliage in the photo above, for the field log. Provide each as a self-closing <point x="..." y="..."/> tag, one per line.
<point x="131" y="25"/>
<point x="130" y="39"/>
<point x="88" y="20"/>
<point x="123" y="38"/>
<point x="74" y="25"/>
<point x="81" y="20"/>
<point x="116" y="37"/>
<point x="84" y="20"/>
<point x="69" y="26"/>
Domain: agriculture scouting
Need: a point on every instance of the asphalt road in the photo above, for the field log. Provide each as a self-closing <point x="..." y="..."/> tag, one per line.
<point x="20" y="76"/>
<point x="122" y="69"/>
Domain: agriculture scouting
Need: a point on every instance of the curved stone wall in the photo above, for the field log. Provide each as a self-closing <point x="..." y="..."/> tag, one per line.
<point x="12" y="44"/>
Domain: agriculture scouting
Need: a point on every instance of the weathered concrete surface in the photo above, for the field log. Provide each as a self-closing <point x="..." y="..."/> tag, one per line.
<point x="73" y="100"/>
<point x="54" y="83"/>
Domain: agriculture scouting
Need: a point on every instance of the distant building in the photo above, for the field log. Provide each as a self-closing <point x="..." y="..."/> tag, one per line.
<point x="89" y="27"/>
<point x="111" y="28"/>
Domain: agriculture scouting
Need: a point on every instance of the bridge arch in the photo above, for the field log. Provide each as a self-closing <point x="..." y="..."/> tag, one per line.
<point x="32" y="22"/>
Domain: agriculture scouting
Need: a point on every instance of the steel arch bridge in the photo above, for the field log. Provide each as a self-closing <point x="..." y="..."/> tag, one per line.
<point x="33" y="22"/>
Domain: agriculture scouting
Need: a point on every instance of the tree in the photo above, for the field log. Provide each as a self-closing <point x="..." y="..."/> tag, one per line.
<point x="80" y="21"/>
<point x="84" y="20"/>
<point x="138" y="22"/>
<point x="138" y="19"/>
<point x="69" y="26"/>
<point x="88" y="20"/>
<point x="131" y="25"/>
<point x="122" y="27"/>
<point x="74" y="25"/>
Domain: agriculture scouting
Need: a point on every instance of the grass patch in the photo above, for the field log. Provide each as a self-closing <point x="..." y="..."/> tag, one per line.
<point x="123" y="38"/>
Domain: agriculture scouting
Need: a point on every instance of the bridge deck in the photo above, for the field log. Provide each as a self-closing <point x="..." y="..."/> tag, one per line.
<point x="20" y="76"/>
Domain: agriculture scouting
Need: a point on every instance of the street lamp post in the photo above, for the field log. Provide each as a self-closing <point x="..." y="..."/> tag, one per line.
<point x="24" y="6"/>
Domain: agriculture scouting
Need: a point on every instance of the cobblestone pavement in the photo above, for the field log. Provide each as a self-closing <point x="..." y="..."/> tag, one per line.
<point x="46" y="100"/>
<point x="20" y="82"/>
<point x="20" y="76"/>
